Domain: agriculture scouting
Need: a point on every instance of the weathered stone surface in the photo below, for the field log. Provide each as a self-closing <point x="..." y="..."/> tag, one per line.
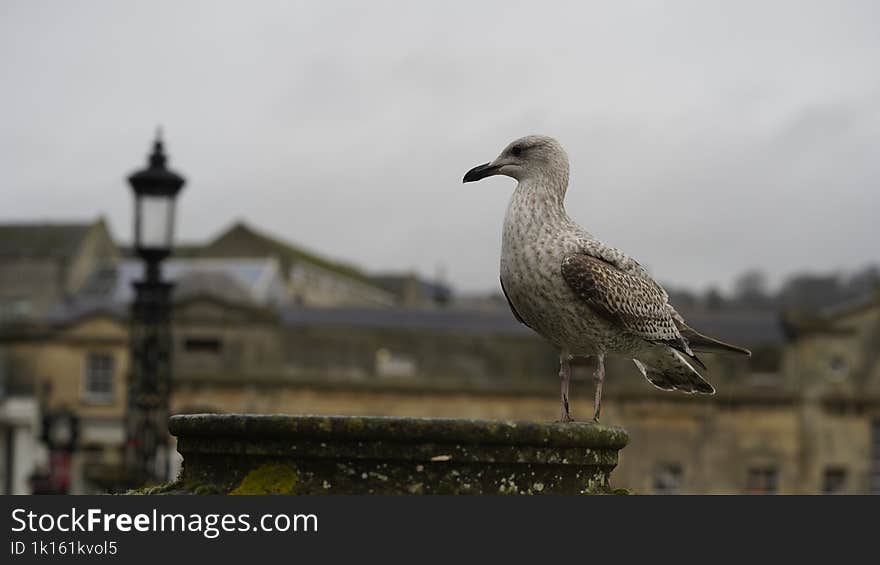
<point x="280" y="454"/>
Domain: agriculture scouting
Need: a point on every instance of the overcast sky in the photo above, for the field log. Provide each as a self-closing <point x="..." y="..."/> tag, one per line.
<point x="705" y="137"/>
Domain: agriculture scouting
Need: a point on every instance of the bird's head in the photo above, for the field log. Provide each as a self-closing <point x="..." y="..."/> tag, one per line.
<point x="528" y="157"/>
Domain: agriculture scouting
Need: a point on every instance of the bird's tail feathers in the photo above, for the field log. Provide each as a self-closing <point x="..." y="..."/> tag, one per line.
<point x="667" y="369"/>
<point x="706" y="344"/>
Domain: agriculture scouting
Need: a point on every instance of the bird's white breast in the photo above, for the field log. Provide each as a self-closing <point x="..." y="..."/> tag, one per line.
<point x="537" y="235"/>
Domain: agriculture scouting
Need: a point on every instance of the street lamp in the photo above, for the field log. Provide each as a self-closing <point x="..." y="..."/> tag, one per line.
<point x="155" y="191"/>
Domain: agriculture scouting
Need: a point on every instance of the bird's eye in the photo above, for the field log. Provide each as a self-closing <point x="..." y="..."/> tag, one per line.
<point x="517" y="150"/>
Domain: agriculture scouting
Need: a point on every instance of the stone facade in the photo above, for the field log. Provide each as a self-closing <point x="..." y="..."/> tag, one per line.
<point x="810" y="425"/>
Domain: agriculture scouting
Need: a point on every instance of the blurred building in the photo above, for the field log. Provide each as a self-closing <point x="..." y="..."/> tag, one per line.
<point x="76" y="371"/>
<point x="802" y="415"/>
<point x="775" y="425"/>
<point x="44" y="264"/>
<point x="412" y="291"/>
<point x="65" y="291"/>
<point x="834" y="361"/>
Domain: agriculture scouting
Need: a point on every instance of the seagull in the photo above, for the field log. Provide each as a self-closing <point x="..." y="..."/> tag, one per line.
<point x="585" y="297"/>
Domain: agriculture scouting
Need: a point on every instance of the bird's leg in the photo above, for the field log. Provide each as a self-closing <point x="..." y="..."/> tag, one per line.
<point x="599" y="378"/>
<point x="565" y="379"/>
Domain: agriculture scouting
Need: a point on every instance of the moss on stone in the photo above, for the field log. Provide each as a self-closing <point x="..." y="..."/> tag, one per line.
<point x="308" y="455"/>
<point x="164" y="488"/>
<point x="269" y="479"/>
<point x="206" y="489"/>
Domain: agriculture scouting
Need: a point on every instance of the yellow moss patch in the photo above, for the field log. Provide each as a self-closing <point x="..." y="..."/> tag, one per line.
<point x="269" y="479"/>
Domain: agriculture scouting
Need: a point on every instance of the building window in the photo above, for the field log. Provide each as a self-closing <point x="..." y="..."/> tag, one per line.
<point x="838" y="368"/>
<point x="15" y="308"/>
<point x="390" y="364"/>
<point x="100" y="370"/>
<point x="762" y="480"/>
<point x="834" y="480"/>
<point x="668" y="479"/>
<point x="202" y="345"/>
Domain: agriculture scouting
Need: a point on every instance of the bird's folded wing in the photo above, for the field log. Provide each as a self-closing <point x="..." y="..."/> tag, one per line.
<point x="617" y="258"/>
<point x="634" y="303"/>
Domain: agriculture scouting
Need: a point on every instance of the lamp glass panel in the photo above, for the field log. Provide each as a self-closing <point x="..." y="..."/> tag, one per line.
<point x="156" y="222"/>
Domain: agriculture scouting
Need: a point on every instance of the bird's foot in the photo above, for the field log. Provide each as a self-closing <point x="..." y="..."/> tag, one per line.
<point x="566" y="418"/>
<point x="566" y="414"/>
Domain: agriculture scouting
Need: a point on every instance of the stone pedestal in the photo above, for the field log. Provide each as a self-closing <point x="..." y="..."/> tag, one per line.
<point x="279" y="454"/>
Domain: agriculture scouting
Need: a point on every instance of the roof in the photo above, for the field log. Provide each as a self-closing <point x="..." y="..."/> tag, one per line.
<point x="403" y="319"/>
<point x="235" y="280"/>
<point x="47" y="240"/>
<point x="852" y="306"/>
<point x="218" y="284"/>
<point x="398" y="283"/>
<point x="69" y="312"/>
<point x="749" y="328"/>
<point x="244" y="241"/>
<point x="827" y="321"/>
<point x="740" y="327"/>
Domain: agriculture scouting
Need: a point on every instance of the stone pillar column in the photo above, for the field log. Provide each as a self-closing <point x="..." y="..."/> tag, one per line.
<point x="262" y="454"/>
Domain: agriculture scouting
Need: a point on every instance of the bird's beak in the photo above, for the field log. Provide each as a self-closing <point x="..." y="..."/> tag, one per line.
<point x="481" y="172"/>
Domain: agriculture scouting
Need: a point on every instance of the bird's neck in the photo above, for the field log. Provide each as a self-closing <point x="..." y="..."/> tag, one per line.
<point x="540" y="199"/>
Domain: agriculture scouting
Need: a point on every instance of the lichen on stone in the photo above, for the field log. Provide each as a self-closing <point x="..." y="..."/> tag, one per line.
<point x="276" y="478"/>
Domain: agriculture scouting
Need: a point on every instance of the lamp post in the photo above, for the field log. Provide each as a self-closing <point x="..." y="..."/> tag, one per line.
<point x="155" y="191"/>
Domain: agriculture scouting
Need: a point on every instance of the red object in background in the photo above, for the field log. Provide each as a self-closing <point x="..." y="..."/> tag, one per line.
<point x="57" y="479"/>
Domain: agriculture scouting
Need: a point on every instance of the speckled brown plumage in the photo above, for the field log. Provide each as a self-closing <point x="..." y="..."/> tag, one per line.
<point x="635" y="304"/>
<point x="585" y="297"/>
